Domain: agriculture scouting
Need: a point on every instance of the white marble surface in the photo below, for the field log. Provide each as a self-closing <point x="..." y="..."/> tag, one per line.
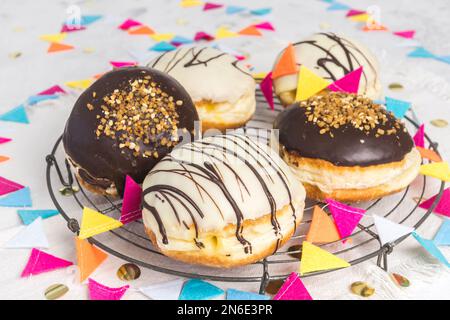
<point x="427" y="85"/>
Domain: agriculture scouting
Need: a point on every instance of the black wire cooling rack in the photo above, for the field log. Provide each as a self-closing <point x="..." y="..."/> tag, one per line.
<point x="132" y="244"/>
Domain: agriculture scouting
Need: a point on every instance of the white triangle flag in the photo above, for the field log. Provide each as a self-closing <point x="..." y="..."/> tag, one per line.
<point x="389" y="231"/>
<point x="32" y="236"/>
<point x="164" y="291"/>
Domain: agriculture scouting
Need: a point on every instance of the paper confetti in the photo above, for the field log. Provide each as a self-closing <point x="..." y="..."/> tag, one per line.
<point x="98" y="291"/>
<point x="419" y="137"/>
<point x="32" y="100"/>
<point x="89" y="258"/>
<point x="267" y="89"/>
<point x="337" y="6"/>
<point x="163" y="291"/>
<point x="88" y="19"/>
<point x="3" y="140"/>
<point x="348" y="83"/>
<point x="261" y="11"/>
<point x="293" y="289"/>
<point x="40" y="262"/>
<point x="322" y="228"/>
<point x="438" y="170"/>
<point x="286" y="64"/>
<point x="17" y="114"/>
<point x="129" y="23"/>
<point x="233" y="294"/>
<point x="420" y="53"/>
<point x="408" y="34"/>
<point x="250" y="31"/>
<point x="203" y="36"/>
<point x="354" y="12"/>
<point x="196" y="289"/>
<point x="121" y="64"/>
<point x="79" y="84"/>
<point x="141" y="30"/>
<point x="397" y="107"/>
<point x="54" y="38"/>
<point x="52" y="90"/>
<point x="162" y="46"/>
<point x="224" y="32"/>
<point x="432" y="249"/>
<point x="443" y="207"/>
<point x="28" y="216"/>
<point x="429" y="154"/>
<point x="265" y="26"/>
<point x="58" y="47"/>
<point x="20" y="198"/>
<point x="442" y="237"/>
<point x="309" y="84"/>
<point x="131" y="204"/>
<point x="8" y="186"/>
<point x="93" y="223"/>
<point x="211" y="6"/>
<point x="234" y="9"/>
<point x="389" y="231"/>
<point x="31" y="236"/>
<point x="317" y="259"/>
<point x="345" y="217"/>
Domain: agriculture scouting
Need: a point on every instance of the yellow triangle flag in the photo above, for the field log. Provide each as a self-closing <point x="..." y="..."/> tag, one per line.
<point x="88" y="258"/>
<point x="223" y="32"/>
<point x="309" y="84"/>
<point x="439" y="170"/>
<point x="322" y="228"/>
<point x="57" y="37"/>
<point x="190" y="3"/>
<point x="360" y="17"/>
<point x="317" y="259"/>
<point x="259" y="75"/>
<point x="162" y="36"/>
<point x="79" y="84"/>
<point x="94" y="223"/>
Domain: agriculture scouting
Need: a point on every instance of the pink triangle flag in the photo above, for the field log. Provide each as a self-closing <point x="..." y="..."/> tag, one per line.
<point x="40" y="262"/>
<point x="120" y="64"/>
<point x="293" y="289"/>
<point x="210" y="6"/>
<point x="408" y="34"/>
<point x="8" y="186"/>
<point x="443" y="207"/>
<point x="52" y="90"/>
<point x="98" y="291"/>
<point x="348" y="83"/>
<point x="345" y="217"/>
<point x="353" y="12"/>
<point x="267" y="89"/>
<point x="419" y="137"/>
<point x="203" y="36"/>
<point x="4" y="140"/>
<point x="265" y="25"/>
<point x="71" y="28"/>
<point x="129" y="23"/>
<point x="131" y="206"/>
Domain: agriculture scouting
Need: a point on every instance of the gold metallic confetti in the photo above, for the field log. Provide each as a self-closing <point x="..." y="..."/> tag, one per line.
<point x="395" y="86"/>
<point x="324" y="26"/>
<point x="400" y="280"/>
<point x="297" y="251"/>
<point x="88" y="50"/>
<point x="56" y="291"/>
<point x="362" y="289"/>
<point x="273" y="286"/>
<point x="128" y="271"/>
<point x="68" y="191"/>
<point x="182" y="22"/>
<point x="440" y="123"/>
<point x="15" y="55"/>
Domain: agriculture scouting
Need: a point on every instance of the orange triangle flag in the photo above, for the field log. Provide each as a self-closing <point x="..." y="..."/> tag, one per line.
<point x="141" y="30"/>
<point x="250" y="31"/>
<point x="286" y="64"/>
<point x="3" y="158"/>
<point x="322" y="228"/>
<point x="55" y="47"/>
<point x="88" y="258"/>
<point x="374" y="27"/>
<point x="429" y="154"/>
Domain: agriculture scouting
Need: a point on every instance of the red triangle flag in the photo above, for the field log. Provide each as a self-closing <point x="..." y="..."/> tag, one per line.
<point x="8" y="186"/>
<point x="345" y="217"/>
<point x="419" y="137"/>
<point x="353" y="12"/>
<point x="266" y="86"/>
<point x="443" y="207"/>
<point x="40" y="262"/>
<point x="131" y="205"/>
<point x="210" y="6"/>
<point x="348" y="83"/>
<point x="409" y="34"/>
<point x="293" y="289"/>
<point x="203" y="36"/>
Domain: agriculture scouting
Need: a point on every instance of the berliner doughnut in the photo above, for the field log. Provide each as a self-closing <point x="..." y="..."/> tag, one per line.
<point x="346" y="147"/>
<point x="123" y="124"/>
<point x="222" y="88"/>
<point x="222" y="201"/>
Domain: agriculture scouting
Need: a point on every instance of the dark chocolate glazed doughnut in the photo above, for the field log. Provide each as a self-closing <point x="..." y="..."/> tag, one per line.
<point x="124" y="123"/>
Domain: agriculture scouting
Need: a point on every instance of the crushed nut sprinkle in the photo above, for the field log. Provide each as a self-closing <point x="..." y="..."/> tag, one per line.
<point x="139" y="114"/>
<point x="332" y="110"/>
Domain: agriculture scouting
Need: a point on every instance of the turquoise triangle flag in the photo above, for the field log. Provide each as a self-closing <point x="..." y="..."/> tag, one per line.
<point x="28" y="216"/>
<point x="431" y="248"/>
<point x="442" y="237"/>
<point x="337" y="6"/>
<point x="18" y="114"/>
<point x="445" y="59"/>
<point x="261" y="12"/>
<point x="85" y="20"/>
<point x="162" y="46"/>
<point x="180" y="39"/>
<point x="421" y="53"/>
<point x="397" y="107"/>
<point x="21" y="198"/>
<point x="196" y="289"/>
<point x="32" y="236"/>
<point x="233" y="294"/>
<point x="36" y="99"/>
<point x="234" y="9"/>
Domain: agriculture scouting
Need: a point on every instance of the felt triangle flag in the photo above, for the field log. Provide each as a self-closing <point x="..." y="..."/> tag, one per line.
<point x="286" y="65"/>
<point x="196" y="289"/>
<point x="162" y="46"/>
<point x="374" y="27"/>
<point x="52" y="90"/>
<point x="28" y="216"/>
<point x="353" y="12"/>
<point x="309" y="84"/>
<point x="121" y="64"/>
<point x="224" y="32"/>
<point x="3" y="158"/>
<point x="129" y="23"/>
<point x="432" y="249"/>
<point x="20" y="198"/>
<point x="409" y="34"/>
<point x="389" y="231"/>
<point x="32" y="100"/>
<point x="250" y="31"/>
<point x="190" y="3"/>
<point x="234" y="9"/>
<point x="131" y="204"/>
<point x="265" y="26"/>
<point x="32" y="236"/>
<point x="348" y="83"/>
<point x="18" y="114"/>
<point x="79" y="84"/>
<point x="210" y="6"/>
<point x="94" y="223"/>
<point x="89" y="257"/>
<point x="337" y="6"/>
<point x="397" y="107"/>
<point x="293" y="289"/>
<point x="3" y="140"/>
<point x="57" y="47"/>
<point x="58" y="37"/>
<point x="438" y="170"/>
<point x="345" y="217"/>
<point x="420" y="53"/>
<point x="419" y="137"/>
<point x="360" y="17"/>
<point x="163" y="291"/>
<point x="181" y="40"/>
<point x="98" y="291"/>
<point x="443" y="207"/>
<point x="442" y="237"/>
<point x="203" y="36"/>
<point x="8" y="186"/>
<point x="71" y="28"/>
<point x="267" y="89"/>
<point x="261" y="11"/>
<point x="445" y="59"/>
<point x="233" y="294"/>
<point x="429" y="154"/>
<point x="141" y="30"/>
<point x="322" y="228"/>
<point x="88" y="19"/>
<point x="40" y="262"/>
<point x="317" y="259"/>
<point x="162" y="36"/>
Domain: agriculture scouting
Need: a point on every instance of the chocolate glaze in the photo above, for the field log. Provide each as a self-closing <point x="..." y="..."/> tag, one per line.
<point x="302" y="137"/>
<point x="100" y="160"/>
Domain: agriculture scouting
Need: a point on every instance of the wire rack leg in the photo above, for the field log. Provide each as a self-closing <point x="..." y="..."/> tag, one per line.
<point x="382" y="260"/>
<point x="265" y="278"/>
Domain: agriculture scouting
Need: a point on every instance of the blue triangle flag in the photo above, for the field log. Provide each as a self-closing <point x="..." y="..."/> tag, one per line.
<point x="28" y="216"/>
<point x="196" y="289"/>
<point x="337" y="6"/>
<point x="32" y="236"/>
<point x="36" y="99"/>
<point x="442" y="237"/>
<point x="85" y="20"/>
<point x="397" y="107"/>
<point x="162" y="46"/>
<point x="445" y="59"/>
<point x="233" y="294"/>
<point x="421" y="52"/>
<point x="234" y="9"/>
<point x="261" y="12"/>
<point x="180" y="39"/>
<point x="20" y="198"/>
<point x="431" y="248"/>
<point x="18" y="114"/>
